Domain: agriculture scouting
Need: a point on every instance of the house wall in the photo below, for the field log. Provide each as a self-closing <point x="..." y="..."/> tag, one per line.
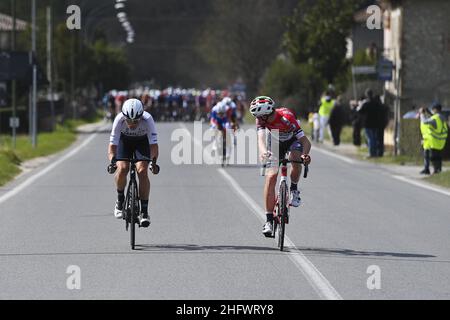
<point x="425" y="52"/>
<point x="392" y="44"/>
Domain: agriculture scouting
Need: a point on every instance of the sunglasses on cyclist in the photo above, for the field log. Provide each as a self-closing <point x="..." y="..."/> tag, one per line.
<point x="132" y="121"/>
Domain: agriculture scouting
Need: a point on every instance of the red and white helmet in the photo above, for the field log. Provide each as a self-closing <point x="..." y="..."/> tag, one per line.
<point x="262" y="106"/>
<point x="132" y="109"/>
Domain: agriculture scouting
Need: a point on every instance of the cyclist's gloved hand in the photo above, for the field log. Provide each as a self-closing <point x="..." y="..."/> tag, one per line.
<point x="154" y="168"/>
<point x="112" y="166"/>
<point x="306" y="159"/>
<point x="265" y="156"/>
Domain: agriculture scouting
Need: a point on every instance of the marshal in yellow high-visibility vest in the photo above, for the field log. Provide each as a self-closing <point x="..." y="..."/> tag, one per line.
<point x="438" y="135"/>
<point x="325" y="107"/>
<point x="425" y="131"/>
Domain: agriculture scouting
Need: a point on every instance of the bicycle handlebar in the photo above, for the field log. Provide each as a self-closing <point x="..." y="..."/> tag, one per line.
<point x="285" y="162"/>
<point x="153" y="167"/>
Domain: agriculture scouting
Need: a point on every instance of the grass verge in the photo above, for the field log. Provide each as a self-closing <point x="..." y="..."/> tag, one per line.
<point x="9" y="166"/>
<point x="442" y="179"/>
<point x="47" y="143"/>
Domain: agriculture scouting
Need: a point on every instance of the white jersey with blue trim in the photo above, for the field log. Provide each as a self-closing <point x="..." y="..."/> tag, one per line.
<point x="145" y="127"/>
<point x="233" y="106"/>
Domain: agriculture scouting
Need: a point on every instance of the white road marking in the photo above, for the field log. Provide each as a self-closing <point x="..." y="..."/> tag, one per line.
<point x="39" y="174"/>
<point x="320" y="284"/>
<point x="334" y="155"/>
<point x="421" y="185"/>
<point x="316" y="279"/>
<point x="401" y="178"/>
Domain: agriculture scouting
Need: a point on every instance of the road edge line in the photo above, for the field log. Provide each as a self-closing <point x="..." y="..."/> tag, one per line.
<point x="421" y="185"/>
<point x="334" y="155"/>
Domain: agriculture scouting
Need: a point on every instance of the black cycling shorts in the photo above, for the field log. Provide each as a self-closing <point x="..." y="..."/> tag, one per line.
<point x="128" y="145"/>
<point x="280" y="149"/>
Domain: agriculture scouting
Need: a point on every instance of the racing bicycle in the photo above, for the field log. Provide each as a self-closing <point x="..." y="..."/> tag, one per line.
<point x="131" y="210"/>
<point x="281" y="210"/>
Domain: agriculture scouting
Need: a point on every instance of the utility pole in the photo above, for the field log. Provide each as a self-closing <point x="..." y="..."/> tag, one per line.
<point x="34" y="90"/>
<point x="72" y="75"/>
<point x="49" y="65"/>
<point x="13" y="83"/>
<point x="399" y="117"/>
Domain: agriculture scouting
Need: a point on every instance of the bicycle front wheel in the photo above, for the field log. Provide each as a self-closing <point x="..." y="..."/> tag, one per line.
<point x="133" y="199"/>
<point x="282" y="214"/>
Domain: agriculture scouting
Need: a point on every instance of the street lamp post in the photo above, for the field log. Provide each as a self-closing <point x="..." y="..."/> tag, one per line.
<point x="49" y="65"/>
<point x="34" y="86"/>
<point x="13" y="83"/>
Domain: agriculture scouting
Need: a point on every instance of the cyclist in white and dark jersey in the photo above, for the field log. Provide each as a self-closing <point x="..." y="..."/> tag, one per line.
<point x="133" y="131"/>
<point x="219" y="121"/>
<point x="231" y="110"/>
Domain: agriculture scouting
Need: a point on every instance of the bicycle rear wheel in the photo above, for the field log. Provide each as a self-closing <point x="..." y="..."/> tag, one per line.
<point x="282" y="214"/>
<point x="224" y="149"/>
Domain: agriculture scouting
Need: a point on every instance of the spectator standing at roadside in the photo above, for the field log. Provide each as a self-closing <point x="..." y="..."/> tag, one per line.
<point x="372" y="111"/>
<point x="337" y="120"/>
<point x="326" y="104"/>
<point x="426" y="143"/>
<point x="437" y="134"/>
<point x="356" y="120"/>
<point x="382" y="124"/>
<point x="314" y="121"/>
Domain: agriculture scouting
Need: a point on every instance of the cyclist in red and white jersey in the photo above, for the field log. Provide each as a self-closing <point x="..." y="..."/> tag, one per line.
<point x="287" y="135"/>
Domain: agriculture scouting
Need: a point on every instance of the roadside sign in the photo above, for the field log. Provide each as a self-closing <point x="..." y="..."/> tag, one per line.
<point x="14" y="122"/>
<point x="364" y="69"/>
<point x="384" y="69"/>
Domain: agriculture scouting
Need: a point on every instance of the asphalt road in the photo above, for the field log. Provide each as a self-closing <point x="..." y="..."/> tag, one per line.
<point x="358" y="224"/>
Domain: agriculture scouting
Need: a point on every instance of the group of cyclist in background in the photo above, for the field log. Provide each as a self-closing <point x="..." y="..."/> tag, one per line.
<point x="175" y="104"/>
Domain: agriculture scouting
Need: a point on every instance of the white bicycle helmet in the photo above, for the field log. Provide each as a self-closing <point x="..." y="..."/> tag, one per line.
<point x="221" y="107"/>
<point x="226" y="100"/>
<point x="262" y="106"/>
<point x="132" y="109"/>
